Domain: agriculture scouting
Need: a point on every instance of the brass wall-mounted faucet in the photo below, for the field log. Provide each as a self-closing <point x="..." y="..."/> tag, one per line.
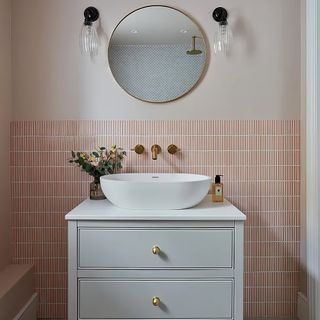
<point x="155" y="149"/>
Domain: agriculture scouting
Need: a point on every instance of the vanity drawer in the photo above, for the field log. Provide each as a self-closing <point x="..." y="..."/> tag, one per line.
<point x="101" y="248"/>
<point x="109" y="299"/>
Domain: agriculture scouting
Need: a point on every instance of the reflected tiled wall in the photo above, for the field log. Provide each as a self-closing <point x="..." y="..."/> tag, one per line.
<point x="159" y="72"/>
<point x="260" y="161"/>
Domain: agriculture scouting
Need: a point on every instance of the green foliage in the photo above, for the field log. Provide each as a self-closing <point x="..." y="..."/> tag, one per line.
<point x="99" y="162"/>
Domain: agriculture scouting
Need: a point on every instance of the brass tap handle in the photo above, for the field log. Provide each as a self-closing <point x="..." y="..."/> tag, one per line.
<point x="155" y="149"/>
<point x="156" y="301"/>
<point x="173" y="149"/>
<point x="138" y="149"/>
<point x="156" y="250"/>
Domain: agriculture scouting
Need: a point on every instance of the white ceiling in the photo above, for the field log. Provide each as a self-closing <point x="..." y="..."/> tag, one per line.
<point x="156" y="25"/>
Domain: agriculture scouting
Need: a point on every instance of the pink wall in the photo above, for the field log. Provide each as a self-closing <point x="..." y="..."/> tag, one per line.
<point x="260" y="161"/>
<point x="5" y="118"/>
<point x="53" y="81"/>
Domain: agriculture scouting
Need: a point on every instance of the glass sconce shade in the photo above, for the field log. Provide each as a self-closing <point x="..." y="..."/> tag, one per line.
<point x="89" y="40"/>
<point x="223" y="39"/>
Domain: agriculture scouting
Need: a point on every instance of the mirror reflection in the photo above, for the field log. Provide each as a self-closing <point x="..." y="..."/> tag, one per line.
<point x="157" y="54"/>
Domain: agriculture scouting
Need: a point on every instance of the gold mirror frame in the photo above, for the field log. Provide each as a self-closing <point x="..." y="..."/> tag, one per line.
<point x="204" y="68"/>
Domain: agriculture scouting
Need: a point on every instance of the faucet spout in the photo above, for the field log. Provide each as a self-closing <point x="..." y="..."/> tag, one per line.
<point x="155" y="149"/>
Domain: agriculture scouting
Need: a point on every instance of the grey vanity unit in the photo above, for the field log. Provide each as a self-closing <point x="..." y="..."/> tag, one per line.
<point x="155" y="264"/>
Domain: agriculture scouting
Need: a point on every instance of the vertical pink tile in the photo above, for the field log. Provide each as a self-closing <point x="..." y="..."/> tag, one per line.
<point x="260" y="161"/>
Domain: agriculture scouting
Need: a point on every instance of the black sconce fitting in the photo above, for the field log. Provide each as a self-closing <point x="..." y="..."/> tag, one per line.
<point x="220" y="15"/>
<point x="91" y="14"/>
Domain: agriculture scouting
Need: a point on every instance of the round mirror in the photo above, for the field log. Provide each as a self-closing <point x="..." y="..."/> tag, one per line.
<point x="157" y="54"/>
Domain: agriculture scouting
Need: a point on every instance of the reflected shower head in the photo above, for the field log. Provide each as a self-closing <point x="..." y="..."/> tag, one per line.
<point x="194" y="51"/>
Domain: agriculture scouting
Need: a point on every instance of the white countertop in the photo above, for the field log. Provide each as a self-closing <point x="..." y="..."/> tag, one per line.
<point x="205" y="211"/>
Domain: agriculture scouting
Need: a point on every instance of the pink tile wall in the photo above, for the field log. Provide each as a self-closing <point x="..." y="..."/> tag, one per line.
<point x="260" y="161"/>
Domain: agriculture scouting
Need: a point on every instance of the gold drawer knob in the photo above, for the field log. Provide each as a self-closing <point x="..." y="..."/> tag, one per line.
<point x="155" y="250"/>
<point x="156" y="301"/>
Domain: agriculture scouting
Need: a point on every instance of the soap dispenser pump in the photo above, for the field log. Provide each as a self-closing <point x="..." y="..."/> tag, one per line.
<point x="217" y="189"/>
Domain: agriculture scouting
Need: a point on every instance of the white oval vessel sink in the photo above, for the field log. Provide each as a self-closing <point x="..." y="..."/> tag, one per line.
<point x="155" y="191"/>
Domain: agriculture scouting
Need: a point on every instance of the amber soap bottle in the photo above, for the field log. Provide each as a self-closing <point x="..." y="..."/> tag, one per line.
<point x="217" y="189"/>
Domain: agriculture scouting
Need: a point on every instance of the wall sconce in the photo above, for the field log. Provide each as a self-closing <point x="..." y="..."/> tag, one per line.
<point x="89" y="40"/>
<point x="223" y="38"/>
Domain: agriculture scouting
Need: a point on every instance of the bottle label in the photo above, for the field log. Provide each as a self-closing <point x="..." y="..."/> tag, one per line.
<point x="218" y="191"/>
